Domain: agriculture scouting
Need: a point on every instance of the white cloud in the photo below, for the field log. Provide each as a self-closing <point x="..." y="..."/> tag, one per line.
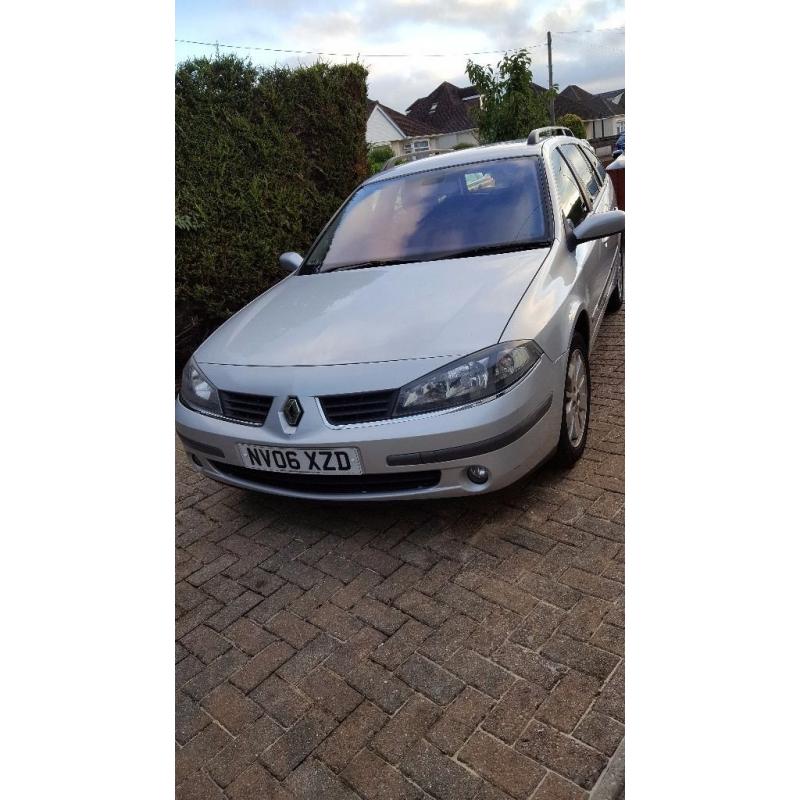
<point x="595" y="60"/>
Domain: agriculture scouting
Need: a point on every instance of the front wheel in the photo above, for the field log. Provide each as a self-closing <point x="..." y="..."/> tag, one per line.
<point x="577" y="402"/>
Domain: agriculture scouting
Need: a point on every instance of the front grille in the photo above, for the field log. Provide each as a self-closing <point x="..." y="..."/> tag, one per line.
<point x="249" y="408"/>
<point x="346" y="409"/>
<point x="335" y="484"/>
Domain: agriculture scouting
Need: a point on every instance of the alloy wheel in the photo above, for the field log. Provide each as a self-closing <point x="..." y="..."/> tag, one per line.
<point x="577" y="398"/>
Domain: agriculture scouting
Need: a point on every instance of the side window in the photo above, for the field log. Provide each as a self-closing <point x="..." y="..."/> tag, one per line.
<point x="570" y="199"/>
<point x="595" y="162"/>
<point x="582" y="169"/>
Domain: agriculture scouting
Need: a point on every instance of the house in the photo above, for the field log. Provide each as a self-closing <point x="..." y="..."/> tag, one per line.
<point x="385" y="126"/>
<point x="603" y="114"/>
<point x="444" y="118"/>
<point x="449" y="110"/>
<point x="617" y="96"/>
<point x="439" y="121"/>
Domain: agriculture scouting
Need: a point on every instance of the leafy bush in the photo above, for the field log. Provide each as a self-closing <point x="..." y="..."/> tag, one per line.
<point x="378" y="156"/>
<point x="263" y="157"/>
<point x="574" y="123"/>
<point x="462" y="146"/>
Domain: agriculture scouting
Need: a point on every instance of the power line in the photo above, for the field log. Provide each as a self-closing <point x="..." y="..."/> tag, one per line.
<point x="383" y="55"/>
<point x="355" y="55"/>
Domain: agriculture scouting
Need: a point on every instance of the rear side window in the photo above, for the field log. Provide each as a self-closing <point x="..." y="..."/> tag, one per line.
<point x="570" y="199"/>
<point x="595" y="162"/>
<point x="582" y="169"/>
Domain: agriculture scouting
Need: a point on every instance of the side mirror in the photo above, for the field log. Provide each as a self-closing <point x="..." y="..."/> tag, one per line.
<point x="597" y="226"/>
<point x="290" y="261"/>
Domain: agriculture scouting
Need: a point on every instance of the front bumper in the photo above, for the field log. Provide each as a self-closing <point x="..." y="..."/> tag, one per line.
<point x="509" y="434"/>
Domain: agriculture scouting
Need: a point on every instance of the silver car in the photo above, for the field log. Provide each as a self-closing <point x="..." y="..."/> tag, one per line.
<point x="433" y="342"/>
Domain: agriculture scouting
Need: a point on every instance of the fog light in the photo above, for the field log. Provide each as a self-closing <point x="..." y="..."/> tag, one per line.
<point x="478" y="474"/>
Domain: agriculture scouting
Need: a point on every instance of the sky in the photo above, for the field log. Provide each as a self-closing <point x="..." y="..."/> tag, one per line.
<point x="588" y="45"/>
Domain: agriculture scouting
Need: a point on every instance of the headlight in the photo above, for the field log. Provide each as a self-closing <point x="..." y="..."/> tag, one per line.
<point x="198" y="392"/>
<point x="483" y="374"/>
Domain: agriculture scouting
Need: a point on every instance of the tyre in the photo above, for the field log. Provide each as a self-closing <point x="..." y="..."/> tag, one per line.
<point x="576" y="406"/>
<point x="618" y="295"/>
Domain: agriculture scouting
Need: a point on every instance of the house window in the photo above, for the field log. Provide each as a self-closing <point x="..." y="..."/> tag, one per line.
<point x="433" y="108"/>
<point x="620" y="126"/>
<point x="417" y="146"/>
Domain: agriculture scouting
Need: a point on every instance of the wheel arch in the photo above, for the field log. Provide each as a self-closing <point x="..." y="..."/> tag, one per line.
<point x="575" y="321"/>
<point x="553" y="305"/>
<point x="582" y="327"/>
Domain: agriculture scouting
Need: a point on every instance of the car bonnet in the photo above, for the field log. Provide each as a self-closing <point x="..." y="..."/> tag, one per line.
<point x="407" y="311"/>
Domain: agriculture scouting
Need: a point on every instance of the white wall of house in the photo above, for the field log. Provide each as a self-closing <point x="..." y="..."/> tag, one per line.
<point x="397" y="146"/>
<point x="381" y="130"/>
<point x="448" y="140"/>
<point x="619" y="124"/>
<point x="418" y="144"/>
<point x="610" y="126"/>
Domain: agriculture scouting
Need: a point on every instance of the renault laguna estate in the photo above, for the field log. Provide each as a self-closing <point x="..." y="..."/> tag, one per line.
<point x="433" y="342"/>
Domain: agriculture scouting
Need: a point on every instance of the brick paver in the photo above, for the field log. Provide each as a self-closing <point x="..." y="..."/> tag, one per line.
<point x="459" y="650"/>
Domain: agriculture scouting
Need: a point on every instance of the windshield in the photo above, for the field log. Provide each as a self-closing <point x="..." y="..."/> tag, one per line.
<point x="470" y="209"/>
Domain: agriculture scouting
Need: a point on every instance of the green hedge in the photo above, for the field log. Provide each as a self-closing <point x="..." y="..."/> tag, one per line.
<point x="574" y="123"/>
<point x="263" y="157"/>
<point x="377" y="157"/>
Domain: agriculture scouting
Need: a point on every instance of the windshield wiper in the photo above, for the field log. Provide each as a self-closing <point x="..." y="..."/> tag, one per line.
<point x="489" y="249"/>
<point x="483" y="250"/>
<point x="367" y="264"/>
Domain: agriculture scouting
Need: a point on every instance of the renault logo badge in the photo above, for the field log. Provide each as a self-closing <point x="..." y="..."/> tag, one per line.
<point x="293" y="411"/>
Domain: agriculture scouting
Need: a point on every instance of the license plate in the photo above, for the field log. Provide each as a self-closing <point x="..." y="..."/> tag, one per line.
<point x="301" y="460"/>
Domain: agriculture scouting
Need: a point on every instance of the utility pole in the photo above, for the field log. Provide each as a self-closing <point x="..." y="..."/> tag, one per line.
<point x="550" y="76"/>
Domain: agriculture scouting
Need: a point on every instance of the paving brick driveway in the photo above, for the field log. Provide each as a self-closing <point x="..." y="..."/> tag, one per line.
<point x="454" y="649"/>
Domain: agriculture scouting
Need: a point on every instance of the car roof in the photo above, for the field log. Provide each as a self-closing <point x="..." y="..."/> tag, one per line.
<point x="471" y="155"/>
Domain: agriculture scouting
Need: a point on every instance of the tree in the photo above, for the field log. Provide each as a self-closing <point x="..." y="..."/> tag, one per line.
<point x="510" y="107"/>
<point x="377" y="157"/>
<point x="574" y="123"/>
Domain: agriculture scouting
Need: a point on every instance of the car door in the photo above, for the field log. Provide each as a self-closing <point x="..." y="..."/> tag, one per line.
<point x="601" y="262"/>
<point x="574" y="208"/>
<point x="606" y="201"/>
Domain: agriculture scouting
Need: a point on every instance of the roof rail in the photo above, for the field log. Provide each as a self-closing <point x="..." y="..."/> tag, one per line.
<point x="392" y="162"/>
<point x="537" y="134"/>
